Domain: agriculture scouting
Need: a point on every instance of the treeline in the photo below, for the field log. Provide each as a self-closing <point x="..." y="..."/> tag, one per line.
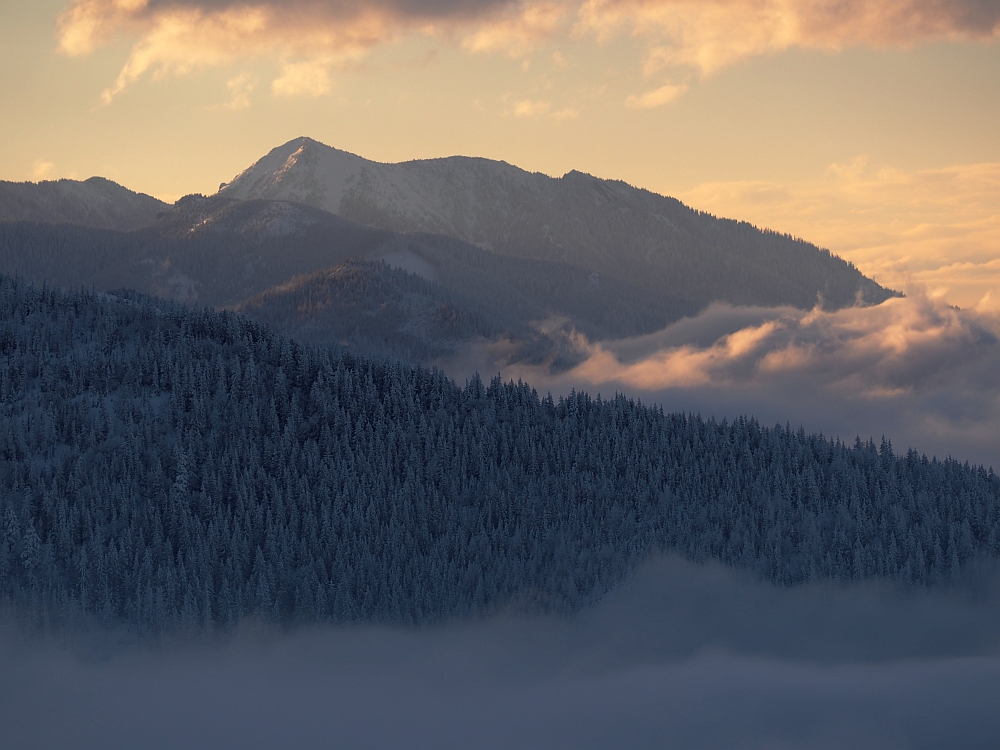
<point x="181" y="469"/>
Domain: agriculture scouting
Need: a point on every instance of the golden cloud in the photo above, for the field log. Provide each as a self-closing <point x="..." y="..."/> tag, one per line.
<point x="176" y="36"/>
<point x="531" y="108"/>
<point x="915" y="368"/>
<point x="240" y="89"/>
<point x="520" y="29"/>
<point x="42" y="170"/>
<point x="174" y="39"/>
<point x="868" y="351"/>
<point x="657" y="97"/>
<point x="710" y="34"/>
<point x="308" y="78"/>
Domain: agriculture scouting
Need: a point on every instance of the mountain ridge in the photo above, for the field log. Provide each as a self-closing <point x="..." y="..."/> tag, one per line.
<point x="95" y="202"/>
<point x="335" y="282"/>
<point x="604" y="226"/>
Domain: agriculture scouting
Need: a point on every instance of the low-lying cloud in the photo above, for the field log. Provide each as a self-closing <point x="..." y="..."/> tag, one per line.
<point x="916" y="370"/>
<point x="681" y="656"/>
<point x="174" y="37"/>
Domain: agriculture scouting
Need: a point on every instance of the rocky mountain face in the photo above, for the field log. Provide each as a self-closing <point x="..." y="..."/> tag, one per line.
<point x="96" y="202"/>
<point x="603" y="226"/>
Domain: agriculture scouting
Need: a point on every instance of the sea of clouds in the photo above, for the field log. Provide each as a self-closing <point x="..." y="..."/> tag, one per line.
<point x="681" y="656"/>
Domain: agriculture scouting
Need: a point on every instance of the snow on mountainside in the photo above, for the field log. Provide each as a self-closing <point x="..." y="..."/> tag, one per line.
<point x="447" y="196"/>
<point x="96" y="202"/>
<point x="302" y="170"/>
<point x="604" y="226"/>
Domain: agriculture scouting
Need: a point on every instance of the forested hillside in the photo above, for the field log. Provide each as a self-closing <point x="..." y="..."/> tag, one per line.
<point x="181" y="469"/>
<point x="378" y="310"/>
<point x="96" y="202"/>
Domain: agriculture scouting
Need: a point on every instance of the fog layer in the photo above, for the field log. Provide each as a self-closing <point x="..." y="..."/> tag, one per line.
<point x="683" y="656"/>
<point x="916" y="370"/>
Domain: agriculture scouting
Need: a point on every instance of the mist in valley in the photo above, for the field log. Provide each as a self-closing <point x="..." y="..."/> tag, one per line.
<point x="916" y="370"/>
<point x="681" y="655"/>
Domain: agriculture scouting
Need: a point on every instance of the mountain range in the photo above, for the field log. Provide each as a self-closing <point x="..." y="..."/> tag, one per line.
<point x="604" y="226"/>
<point x="416" y="260"/>
<point x="96" y="202"/>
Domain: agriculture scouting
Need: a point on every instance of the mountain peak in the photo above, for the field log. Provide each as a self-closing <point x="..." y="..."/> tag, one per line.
<point x="302" y="170"/>
<point x="298" y="147"/>
<point x="604" y="226"/>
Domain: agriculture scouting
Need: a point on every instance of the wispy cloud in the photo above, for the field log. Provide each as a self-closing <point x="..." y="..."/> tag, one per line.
<point x="240" y="88"/>
<point x="173" y="37"/>
<point x="530" y="108"/>
<point x="656" y="97"/>
<point x="176" y="38"/>
<point x="42" y="169"/>
<point x="308" y="78"/>
<point x="520" y="27"/>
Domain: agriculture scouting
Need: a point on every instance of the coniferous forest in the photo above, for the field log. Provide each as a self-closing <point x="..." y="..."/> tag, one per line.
<point x="179" y="470"/>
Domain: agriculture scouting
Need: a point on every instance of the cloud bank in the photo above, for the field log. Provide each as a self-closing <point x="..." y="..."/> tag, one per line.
<point x="682" y="656"/>
<point x="916" y="370"/>
<point x="709" y="35"/>
<point x="174" y="37"/>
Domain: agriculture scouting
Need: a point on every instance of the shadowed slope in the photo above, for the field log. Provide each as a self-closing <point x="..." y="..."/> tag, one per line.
<point x="96" y="202"/>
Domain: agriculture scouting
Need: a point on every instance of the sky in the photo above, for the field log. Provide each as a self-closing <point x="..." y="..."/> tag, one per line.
<point x="865" y="126"/>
